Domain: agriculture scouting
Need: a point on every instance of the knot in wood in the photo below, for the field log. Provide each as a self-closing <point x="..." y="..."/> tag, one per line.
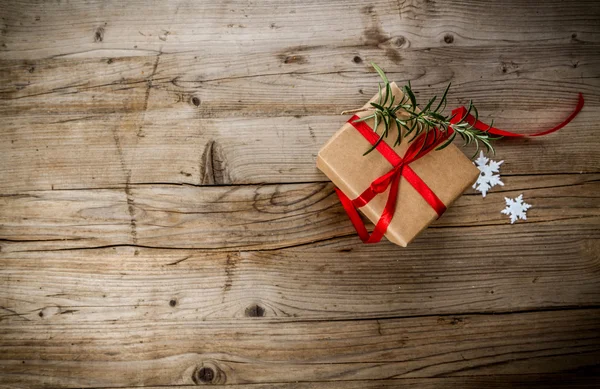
<point x="209" y="373"/>
<point x="255" y="310"/>
<point x="206" y="374"/>
<point x="399" y="41"/>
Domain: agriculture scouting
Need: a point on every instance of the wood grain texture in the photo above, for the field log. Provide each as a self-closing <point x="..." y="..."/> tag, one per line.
<point x="549" y="261"/>
<point x="162" y="222"/>
<point x="141" y="27"/>
<point x="101" y="123"/>
<point x="492" y="382"/>
<point x="266" y="217"/>
<point x="255" y="351"/>
<point x="341" y="279"/>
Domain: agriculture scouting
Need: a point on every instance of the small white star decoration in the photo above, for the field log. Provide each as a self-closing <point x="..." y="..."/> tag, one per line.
<point x="487" y="179"/>
<point x="516" y="209"/>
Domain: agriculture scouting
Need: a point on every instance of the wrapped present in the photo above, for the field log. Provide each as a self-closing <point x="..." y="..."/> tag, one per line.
<point x="403" y="187"/>
<point x="400" y="189"/>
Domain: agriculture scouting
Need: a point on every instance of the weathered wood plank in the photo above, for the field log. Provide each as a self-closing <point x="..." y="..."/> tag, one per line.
<point x="264" y="217"/>
<point x="319" y="81"/>
<point x="102" y="154"/>
<point x="71" y="123"/>
<point x="543" y="381"/>
<point x="98" y="123"/>
<point x="519" y="381"/>
<point x="309" y="80"/>
<point x="445" y="273"/>
<point x="251" y="351"/>
<point x="139" y="27"/>
<point x="122" y="100"/>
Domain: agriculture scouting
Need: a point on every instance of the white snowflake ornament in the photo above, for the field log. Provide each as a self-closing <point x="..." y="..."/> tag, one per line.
<point x="516" y="209"/>
<point x="487" y="179"/>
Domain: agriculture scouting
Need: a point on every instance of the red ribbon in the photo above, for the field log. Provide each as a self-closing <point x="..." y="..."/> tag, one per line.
<point x="400" y="168"/>
<point x="460" y="112"/>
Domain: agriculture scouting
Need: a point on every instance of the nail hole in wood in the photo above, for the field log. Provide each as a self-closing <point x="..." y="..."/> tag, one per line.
<point x="99" y="34"/>
<point x="448" y="38"/>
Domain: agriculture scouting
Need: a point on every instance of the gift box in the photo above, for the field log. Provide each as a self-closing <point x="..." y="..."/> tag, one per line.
<point x="422" y="188"/>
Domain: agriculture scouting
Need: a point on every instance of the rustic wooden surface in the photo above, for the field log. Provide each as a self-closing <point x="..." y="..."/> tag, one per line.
<point x="162" y="222"/>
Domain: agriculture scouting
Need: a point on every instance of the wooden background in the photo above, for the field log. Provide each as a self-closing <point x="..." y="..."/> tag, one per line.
<point x="162" y="222"/>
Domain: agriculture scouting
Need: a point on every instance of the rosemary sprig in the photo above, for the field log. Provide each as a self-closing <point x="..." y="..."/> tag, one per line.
<point x="413" y="122"/>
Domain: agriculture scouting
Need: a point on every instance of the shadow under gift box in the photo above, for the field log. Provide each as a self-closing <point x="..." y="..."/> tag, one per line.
<point x="448" y="172"/>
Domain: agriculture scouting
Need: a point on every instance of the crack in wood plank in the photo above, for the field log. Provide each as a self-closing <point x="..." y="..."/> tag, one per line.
<point x="14" y="313"/>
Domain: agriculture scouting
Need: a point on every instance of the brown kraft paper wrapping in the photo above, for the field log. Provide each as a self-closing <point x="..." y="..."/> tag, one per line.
<point x="448" y="172"/>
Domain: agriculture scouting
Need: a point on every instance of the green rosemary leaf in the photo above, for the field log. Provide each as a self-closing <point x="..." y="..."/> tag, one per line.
<point x="406" y="115"/>
<point x="426" y="109"/>
<point x="429" y="123"/>
<point x="490" y="126"/>
<point x="476" y="150"/>
<point x="378" y="106"/>
<point x="447" y="142"/>
<point x="414" y="125"/>
<point x="399" y="124"/>
<point x="386" y="123"/>
<point x="427" y="135"/>
<point x="437" y="116"/>
<point x="380" y="71"/>
<point x="443" y="100"/>
<point x="411" y="95"/>
<point x="414" y="114"/>
<point x="388" y="93"/>
<point x="365" y="118"/>
<point x="487" y="144"/>
<point x="418" y="130"/>
<point x="373" y="147"/>
<point x="468" y="110"/>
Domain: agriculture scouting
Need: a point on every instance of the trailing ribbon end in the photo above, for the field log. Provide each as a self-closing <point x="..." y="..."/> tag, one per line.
<point x="458" y="114"/>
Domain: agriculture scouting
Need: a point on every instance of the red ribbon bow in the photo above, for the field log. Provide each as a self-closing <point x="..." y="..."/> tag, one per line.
<point x="400" y="168"/>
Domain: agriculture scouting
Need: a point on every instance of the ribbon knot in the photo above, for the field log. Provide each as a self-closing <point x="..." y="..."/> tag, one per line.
<point x="400" y="168"/>
<point x="381" y="184"/>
